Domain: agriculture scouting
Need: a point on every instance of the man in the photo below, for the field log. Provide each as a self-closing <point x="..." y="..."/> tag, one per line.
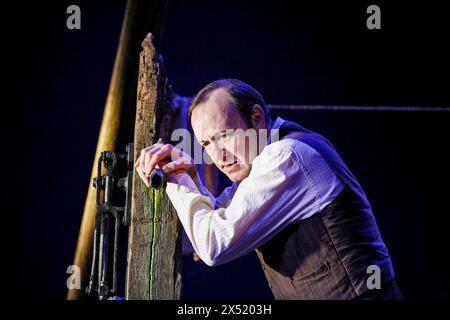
<point x="294" y="201"/>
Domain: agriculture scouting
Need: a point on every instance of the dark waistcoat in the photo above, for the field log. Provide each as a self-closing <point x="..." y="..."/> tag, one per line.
<point x="327" y="255"/>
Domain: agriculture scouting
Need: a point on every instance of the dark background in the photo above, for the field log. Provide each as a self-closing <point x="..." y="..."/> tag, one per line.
<point x="313" y="52"/>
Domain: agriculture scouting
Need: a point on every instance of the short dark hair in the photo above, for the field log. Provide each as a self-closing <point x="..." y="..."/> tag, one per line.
<point x="243" y="95"/>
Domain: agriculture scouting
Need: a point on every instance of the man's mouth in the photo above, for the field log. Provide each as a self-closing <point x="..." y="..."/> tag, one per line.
<point x="229" y="166"/>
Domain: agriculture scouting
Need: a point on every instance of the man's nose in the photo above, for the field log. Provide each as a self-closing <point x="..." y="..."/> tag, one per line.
<point x="219" y="153"/>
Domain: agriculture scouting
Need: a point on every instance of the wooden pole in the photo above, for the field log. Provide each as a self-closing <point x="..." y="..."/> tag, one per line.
<point x="117" y="127"/>
<point x="154" y="245"/>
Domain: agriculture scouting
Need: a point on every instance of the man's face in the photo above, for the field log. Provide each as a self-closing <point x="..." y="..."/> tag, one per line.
<point x="229" y="149"/>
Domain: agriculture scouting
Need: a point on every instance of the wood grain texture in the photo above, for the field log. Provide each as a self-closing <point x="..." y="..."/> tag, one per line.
<point x="117" y="127"/>
<point x="154" y="246"/>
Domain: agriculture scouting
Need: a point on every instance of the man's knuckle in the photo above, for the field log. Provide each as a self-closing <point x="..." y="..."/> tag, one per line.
<point x="166" y="147"/>
<point x="160" y="152"/>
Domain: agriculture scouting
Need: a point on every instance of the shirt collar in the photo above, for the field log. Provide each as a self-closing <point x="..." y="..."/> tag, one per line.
<point x="271" y="135"/>
<point x="274" y="131"/>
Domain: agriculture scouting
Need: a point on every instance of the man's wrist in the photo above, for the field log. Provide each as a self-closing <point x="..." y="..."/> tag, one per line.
<point x="196" y="179"/>
<point x="182" y="178"/>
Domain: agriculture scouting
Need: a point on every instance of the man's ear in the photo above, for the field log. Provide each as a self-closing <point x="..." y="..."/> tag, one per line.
<point x="257" y="117"/>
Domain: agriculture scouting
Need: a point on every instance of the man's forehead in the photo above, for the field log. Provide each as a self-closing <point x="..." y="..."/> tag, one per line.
<point x="217" y="112"/>
<point x="218" y="101"/>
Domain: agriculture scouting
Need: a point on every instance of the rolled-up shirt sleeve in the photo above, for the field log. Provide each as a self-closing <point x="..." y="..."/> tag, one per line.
<point x="289" y="181"/>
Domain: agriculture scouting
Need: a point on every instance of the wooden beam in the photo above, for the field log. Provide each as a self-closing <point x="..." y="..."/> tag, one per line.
<point x="117" y="127"/>
<point x="154" y="244"/>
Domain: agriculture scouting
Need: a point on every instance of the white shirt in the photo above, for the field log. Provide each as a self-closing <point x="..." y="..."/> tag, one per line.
<point x="289" y="181"/>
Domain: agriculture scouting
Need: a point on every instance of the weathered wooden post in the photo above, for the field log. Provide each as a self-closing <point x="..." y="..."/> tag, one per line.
<point x="117" y="127"/>
<point x="154" y="245"/>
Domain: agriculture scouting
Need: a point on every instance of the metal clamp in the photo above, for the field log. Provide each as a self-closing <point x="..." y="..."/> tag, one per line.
<point x="108" y="219"/>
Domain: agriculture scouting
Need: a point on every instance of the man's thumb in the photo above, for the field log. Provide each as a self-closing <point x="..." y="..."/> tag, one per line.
<point x="174" y="166"/>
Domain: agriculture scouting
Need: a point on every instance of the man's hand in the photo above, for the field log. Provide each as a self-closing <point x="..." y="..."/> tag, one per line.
<point x="166" y="157"/>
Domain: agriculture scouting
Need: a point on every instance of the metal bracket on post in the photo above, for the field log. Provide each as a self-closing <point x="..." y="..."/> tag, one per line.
<point x="109" y="218"/>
